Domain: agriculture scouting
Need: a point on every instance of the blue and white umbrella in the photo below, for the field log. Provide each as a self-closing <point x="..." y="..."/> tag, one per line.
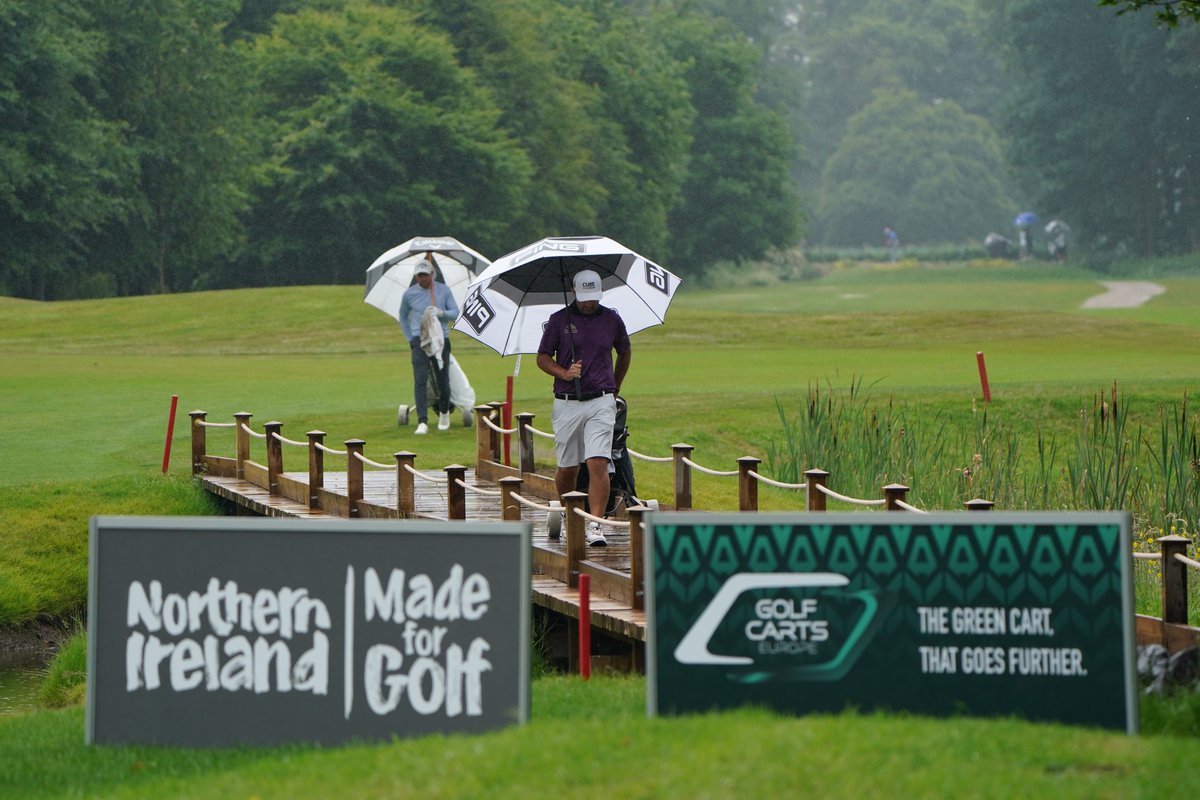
<point x="1026" y="219"/>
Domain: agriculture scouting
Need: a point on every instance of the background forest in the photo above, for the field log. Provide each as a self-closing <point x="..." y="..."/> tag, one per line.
<point x="176" y="145"/>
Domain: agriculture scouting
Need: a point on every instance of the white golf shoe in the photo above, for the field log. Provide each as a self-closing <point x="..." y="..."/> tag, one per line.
<point x="594" y="536"/>
<point x="422" y="429"/>
<point x="444" y="421"/>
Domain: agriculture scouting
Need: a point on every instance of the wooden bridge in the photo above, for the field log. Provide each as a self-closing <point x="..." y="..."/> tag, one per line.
<point x="494" y="490"/>
<point x="371" y="490"/>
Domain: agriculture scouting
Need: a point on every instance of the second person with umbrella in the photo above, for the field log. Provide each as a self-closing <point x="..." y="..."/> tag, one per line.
<point x="577" y="350"/>
<point x="425" y="314"/>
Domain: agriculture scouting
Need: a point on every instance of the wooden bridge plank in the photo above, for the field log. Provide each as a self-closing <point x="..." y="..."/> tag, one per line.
<point x="431" y="502"/>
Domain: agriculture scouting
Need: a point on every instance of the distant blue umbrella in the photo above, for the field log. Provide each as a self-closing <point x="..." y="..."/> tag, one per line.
<point x="1026" y="219"/>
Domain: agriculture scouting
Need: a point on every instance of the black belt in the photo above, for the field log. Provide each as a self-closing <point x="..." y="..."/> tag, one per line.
<point x="584" y="396"/>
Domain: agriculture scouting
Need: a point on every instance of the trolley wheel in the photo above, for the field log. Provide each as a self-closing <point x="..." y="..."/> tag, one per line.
<point x="402" y="415"/>
<point x="651" y="504"/>
<point x="554" y="520"/>
<point x="468" y="418"/>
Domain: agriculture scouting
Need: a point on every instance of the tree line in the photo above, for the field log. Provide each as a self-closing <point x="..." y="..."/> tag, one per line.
<point x="169" y="145"/>
<point x="176" y="145"/>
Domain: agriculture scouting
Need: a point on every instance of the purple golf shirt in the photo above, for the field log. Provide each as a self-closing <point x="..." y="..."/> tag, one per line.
<point x="595" y="338"/>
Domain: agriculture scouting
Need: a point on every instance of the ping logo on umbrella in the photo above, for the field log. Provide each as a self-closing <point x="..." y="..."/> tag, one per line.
<point x="656" y="276"/>
<point x="562" y="247"/>
<point x="477" y="311"/>
<point x="433" y="244"/>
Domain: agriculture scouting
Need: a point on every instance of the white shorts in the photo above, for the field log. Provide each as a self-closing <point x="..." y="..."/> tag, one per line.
<point x="583" y="429"/>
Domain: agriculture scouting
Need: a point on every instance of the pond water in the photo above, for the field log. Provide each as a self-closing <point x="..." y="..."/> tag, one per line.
<point x="21" y="674"/>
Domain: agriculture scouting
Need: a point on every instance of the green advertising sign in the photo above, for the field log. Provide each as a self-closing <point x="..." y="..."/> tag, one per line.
<point x="1025" y="614"/>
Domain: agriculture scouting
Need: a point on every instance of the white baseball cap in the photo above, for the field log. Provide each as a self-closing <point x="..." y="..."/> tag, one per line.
<point x="423" y="267"/>
<point x="587" y="285"/>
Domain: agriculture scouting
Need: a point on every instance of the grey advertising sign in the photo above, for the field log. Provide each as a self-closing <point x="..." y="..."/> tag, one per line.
<point x="1024" y="614"/>
<point x="243" y="631"/>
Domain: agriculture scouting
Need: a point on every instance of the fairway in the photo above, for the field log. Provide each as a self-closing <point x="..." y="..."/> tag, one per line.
<point x="87" y="384"/>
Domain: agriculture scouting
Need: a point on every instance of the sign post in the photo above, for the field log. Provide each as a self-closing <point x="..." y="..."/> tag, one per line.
<point x="978" y="613"/>
<point x="242" y="631"/>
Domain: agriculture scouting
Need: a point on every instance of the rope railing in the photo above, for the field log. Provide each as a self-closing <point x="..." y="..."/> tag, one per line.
<point x="772" y="482"/>
<point x="281" y="438"/>
<point x="707" y="471"/>
<point x="536" y="432"/>
<point x="653" y="459"/>
<point x="371" y="463"/>
<point x="908" y="507"/>
<point x="1146" y="556"/>
<point x="205" y="424"/>
<point x="253" y="433"/>
<point x="1188" y="562"/>
<point x="423" y="476"/>
<point x="537" y="506"/>
<point x="612" y="523"/>
<point x="478" y="489"/>
<point x="825" y="490"/>
<point x="327" y="449"/>
<point x="487" y="421"/>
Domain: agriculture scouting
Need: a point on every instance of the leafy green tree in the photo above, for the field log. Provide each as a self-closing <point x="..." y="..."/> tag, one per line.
<point x="932" y="47"/>
<point x="179" y="94"/>
<point x="929" y="170"/>
<point x="1103" y="125"/>
<point x="1168" y="12"/>
<point x="642" y="116"/>
<point x="513" y="50"/>
<point x="738" y="196"/>
<point x="376" y="134"/>
<point x="62" y="165"/>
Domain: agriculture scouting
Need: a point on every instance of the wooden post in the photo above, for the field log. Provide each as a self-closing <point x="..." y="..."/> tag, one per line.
<point x="747" y="483"/>
<point x="199" y="441"/>
<point x="816" y="498"/>
<point x="575" y="527"/>
<point x="354" y="474"/>
<point x="892" y="493"/>
<point x="510" y="509"/>
<point x="1174" y="579"/>
<point x="274" y="455"/>
<point x="683" y="476"/>
<point x="316" y="467"/>
<point x="406" y="495"/>
<point x="979" y="504"/>
<point x="241" y="422"/>
<point x="525" y="442"/>
<point x="456" y="495"/>
<point x="483" y="434"/>
<point x="637" y="560"/>
<point x="494" y="440"/>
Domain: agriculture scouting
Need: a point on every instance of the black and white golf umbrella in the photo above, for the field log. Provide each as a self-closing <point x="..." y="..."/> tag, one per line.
<point x="509" y="302"/>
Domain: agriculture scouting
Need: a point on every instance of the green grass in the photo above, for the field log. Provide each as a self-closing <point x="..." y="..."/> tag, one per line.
<point x="86" y="389"/>
<point x="592" y="740"/>
<point x="44" y="536"/>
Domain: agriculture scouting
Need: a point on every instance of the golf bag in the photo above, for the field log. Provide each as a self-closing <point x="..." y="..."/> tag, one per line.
<point x="462" y="395"/>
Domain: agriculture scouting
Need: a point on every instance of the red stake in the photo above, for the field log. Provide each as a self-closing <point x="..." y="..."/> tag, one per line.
<point x="987" y="393"/>
<point x="170" y="431"/>
<point x="506" y="420"/>
<point x="585" y="627"/>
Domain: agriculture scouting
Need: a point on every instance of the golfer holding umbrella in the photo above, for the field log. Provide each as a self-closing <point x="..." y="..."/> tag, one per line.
<point x="576" y="349"/>
<point x="516" y="305"/>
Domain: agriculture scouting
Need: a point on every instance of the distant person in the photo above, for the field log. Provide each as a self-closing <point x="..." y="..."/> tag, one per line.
<point x="577" y="350"/>
<point x="892" y="240"/>
<point x="426" y="312"/>
<point x="1057" y="233"/>
<point x="997" y="245"/>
